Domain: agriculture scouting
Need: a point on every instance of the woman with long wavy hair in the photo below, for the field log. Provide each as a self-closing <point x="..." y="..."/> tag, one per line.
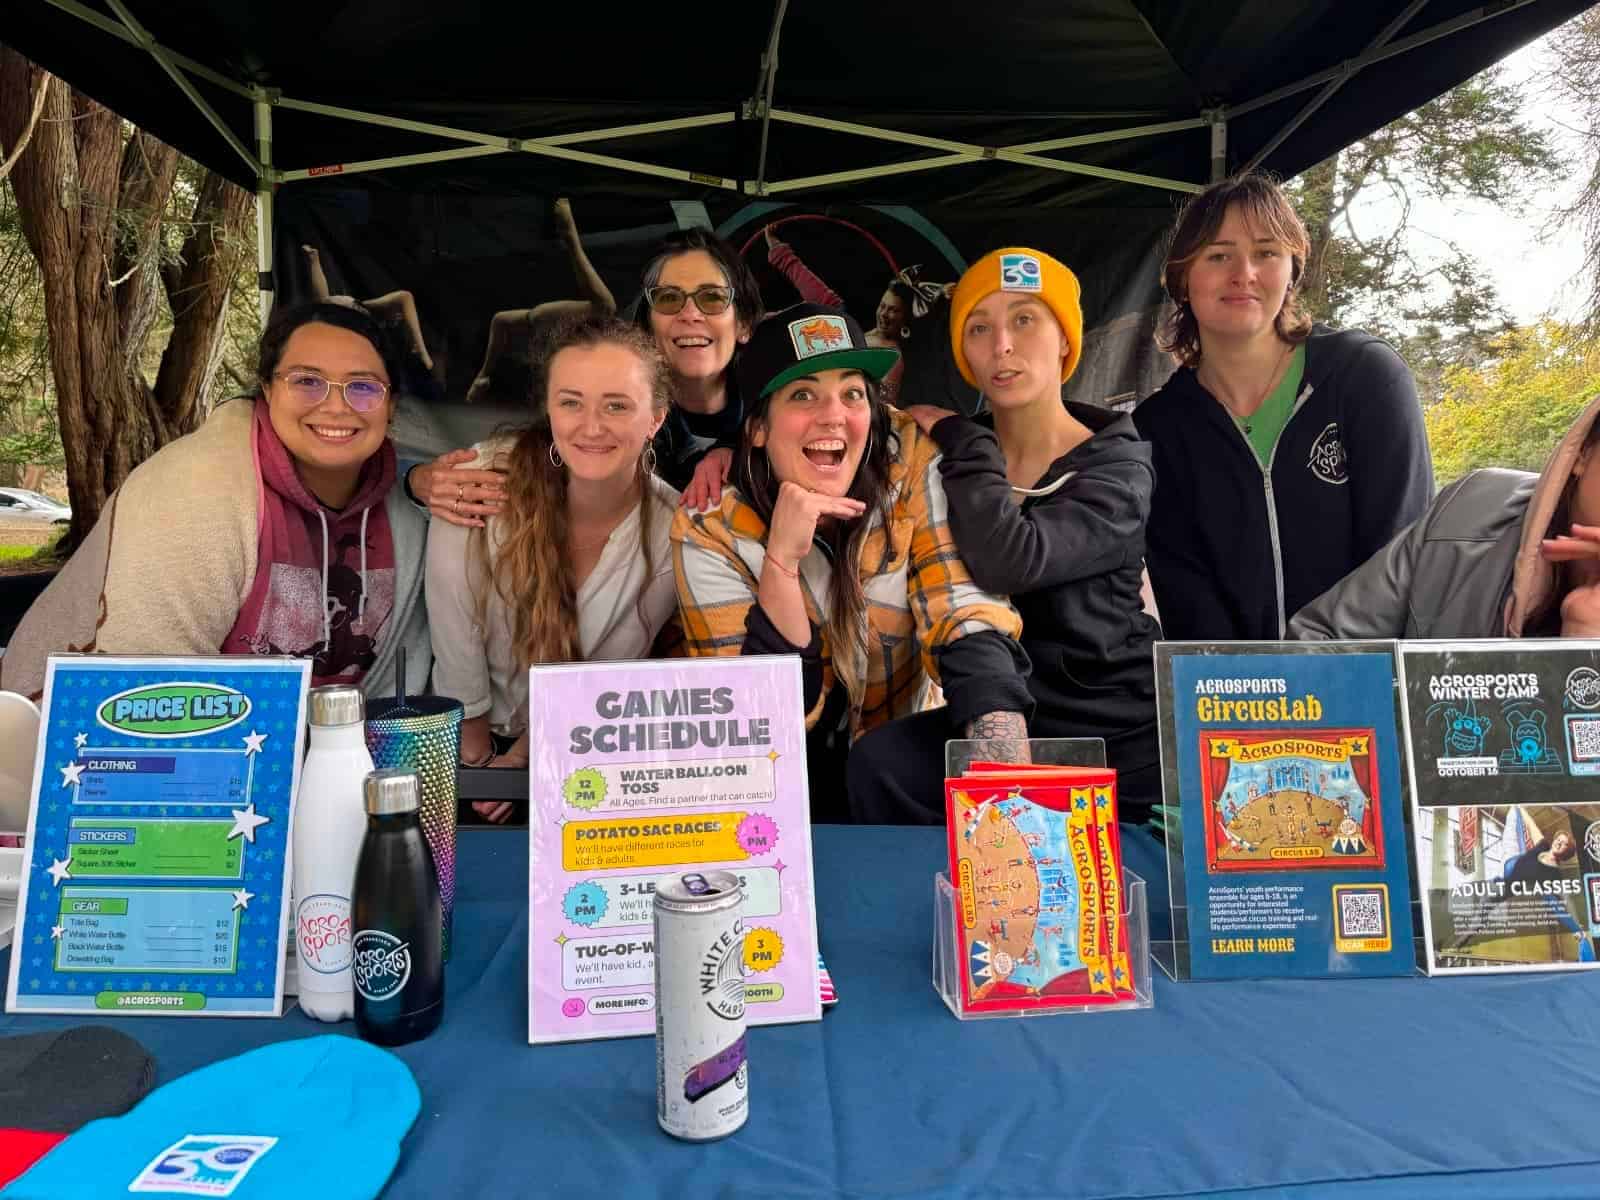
<point x="576" y="566"/>
<point x="832" y="544"/>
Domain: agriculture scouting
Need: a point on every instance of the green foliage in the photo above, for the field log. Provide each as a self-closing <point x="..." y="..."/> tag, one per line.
<point x="1511" y="409"/>
<point x="1440" y="309"/>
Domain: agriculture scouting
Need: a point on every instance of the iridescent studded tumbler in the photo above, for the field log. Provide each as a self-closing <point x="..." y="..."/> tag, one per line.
<point x="423" y="734"/>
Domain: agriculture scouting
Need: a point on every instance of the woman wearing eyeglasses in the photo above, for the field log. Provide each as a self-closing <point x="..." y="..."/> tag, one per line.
<point x="701" y="302"/>
<point x="275" y="528"/>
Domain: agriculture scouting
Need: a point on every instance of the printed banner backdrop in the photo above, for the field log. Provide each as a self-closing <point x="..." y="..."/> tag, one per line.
<point x="465" y="257"/>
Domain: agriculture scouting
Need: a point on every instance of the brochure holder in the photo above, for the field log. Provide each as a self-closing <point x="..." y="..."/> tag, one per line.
<point x="946" y="968"/>
<point x="960" y="754"/>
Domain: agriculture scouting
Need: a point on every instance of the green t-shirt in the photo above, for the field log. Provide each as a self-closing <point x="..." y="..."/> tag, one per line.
<point x="1262" y="427"/>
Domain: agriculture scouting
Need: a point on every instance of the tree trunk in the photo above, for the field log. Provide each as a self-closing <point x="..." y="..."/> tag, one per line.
<point x="90" y="202"/>
<point x="1316" y="203"/>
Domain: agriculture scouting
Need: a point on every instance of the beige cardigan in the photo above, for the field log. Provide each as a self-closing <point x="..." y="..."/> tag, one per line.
<point x="173" y="556"/>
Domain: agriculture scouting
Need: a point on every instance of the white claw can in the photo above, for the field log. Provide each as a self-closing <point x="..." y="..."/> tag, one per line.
<point x="702" y="1080"/>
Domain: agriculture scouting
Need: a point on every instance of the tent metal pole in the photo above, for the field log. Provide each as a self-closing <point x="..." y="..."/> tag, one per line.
<point x="764" y="86"/>
<point x="958" y="152"/>
<point x="901" y="168"/>
<point x="1110" y="135"/>
<point x="160" y="54"/>
<point x="384" y="164"/>
<point x="265" y="287"/>
<point x="1333" y="85"/>
<point x="548" y="147"/>
<point x="1350" y="66"/>
<point x="1219" y="145"/>
<point x="106" y="25"/>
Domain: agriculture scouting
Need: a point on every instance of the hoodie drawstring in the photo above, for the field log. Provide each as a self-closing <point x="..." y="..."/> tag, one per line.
<point x="361" y="608"/>
<point x="327" y="615"/>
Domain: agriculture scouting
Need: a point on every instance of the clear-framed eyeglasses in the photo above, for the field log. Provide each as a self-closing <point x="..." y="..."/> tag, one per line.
<point x="709" y="298"/>
<point x="310" y="389"/>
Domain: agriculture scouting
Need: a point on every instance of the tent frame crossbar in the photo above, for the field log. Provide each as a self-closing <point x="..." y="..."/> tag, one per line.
<point x="560" y="146"/>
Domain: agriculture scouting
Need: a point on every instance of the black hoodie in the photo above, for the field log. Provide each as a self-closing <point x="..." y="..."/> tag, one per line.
<point x="1236" y="549"/>
<point x="1071" y="562"/>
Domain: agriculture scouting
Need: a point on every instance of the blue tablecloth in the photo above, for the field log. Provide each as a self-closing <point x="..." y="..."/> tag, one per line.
<point x="1408" y="1087"/>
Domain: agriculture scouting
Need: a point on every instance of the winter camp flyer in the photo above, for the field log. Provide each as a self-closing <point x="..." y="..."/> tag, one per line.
<point x="1287" y="761"/>
<point x="158" y="836"/>
<point x="1503" y="742"/>
<point x="638" y="772"/>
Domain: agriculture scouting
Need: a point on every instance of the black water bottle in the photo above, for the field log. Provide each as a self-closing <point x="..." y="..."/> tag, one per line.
<point x="397" y="960"/>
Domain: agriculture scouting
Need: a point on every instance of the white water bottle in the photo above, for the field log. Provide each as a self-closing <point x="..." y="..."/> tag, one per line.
<point x="329" y="825"/>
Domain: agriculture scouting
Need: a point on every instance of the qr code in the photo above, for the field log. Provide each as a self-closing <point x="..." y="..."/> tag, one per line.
<point x="1585" y="737"/>
<point x="1361" y="915"/>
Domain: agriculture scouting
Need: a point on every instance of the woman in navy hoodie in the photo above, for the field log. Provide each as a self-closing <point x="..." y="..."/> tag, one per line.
<point x="1286" y="454"/>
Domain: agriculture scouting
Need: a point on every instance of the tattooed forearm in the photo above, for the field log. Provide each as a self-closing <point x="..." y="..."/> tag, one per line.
<point x="999" y="737"/>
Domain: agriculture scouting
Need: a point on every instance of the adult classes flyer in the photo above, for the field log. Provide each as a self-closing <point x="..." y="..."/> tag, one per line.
<point x="641" y="772"/>
<point x="158" y="837"/>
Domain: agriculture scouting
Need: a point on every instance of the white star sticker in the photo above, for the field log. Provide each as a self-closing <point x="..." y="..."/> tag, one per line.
<point x="245" y="821"/>
<point x="71" y="775"/>
<point x="57" y="932"/>
<point x="81" y="740"/>
<point x="252" y="743"/>
<point x="242" y="898"/>
<point x="60" y="868"/>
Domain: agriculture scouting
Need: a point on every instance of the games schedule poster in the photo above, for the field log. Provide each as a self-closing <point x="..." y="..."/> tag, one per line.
<point x="1286" y="761"/>
<point x="1503" y="744"/>
<point x="158" y="838"/>
<point x="639" y="772"/>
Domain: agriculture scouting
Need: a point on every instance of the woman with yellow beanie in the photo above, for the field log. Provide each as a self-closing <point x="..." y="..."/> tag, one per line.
<point x="1048" y="502"/>
<point x="1287" y="453"/>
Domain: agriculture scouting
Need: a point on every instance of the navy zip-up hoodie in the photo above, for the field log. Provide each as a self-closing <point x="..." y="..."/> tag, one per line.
<point x="1233" y="550"/>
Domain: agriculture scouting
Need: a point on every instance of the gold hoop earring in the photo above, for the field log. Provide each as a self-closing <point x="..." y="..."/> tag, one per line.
<point x="555" y="457"/>
<point x="647" y="458"/>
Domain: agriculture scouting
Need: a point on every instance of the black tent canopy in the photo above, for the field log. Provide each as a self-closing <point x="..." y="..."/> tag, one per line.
<point x="1086" y="117"/>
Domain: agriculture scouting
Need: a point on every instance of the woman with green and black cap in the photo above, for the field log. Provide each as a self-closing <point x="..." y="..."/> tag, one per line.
<point x="832" y="544"/>
<point x="1048" y="502"/>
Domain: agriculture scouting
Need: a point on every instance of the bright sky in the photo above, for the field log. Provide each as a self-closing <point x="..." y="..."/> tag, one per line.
<point x="1532" y="260"/>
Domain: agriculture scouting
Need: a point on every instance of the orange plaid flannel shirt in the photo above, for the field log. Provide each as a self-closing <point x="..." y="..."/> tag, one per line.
<point x="920" y="597"/>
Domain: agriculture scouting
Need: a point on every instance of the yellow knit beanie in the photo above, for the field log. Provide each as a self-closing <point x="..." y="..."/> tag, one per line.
<point x="1021" y="271"/>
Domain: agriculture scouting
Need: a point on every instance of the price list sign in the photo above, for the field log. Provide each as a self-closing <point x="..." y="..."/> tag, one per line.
<point x="158" y="837"/>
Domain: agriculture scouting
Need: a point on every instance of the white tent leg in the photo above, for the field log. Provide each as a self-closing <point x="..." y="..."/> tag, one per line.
<point x="264" y="281"/>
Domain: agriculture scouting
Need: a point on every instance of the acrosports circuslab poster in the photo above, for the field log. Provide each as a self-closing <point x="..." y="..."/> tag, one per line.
<point x="1286" y="760"/>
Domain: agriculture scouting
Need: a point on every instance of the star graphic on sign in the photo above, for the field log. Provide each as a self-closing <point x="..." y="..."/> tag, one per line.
<point x="81" y="740"/>
<point x="1081" y="804"/>
<point x="1222" y="748"/>
<point x="60" y="868"/>
<point x="773" y="755"/>
<point x="252" y="743"/>
<point x="245" y="821"/>
<point x="561" y="939"/>
<point x="57" y="932"/>
<point x="72" y="775"/>
<point x="779" y="866"/>
<point x="242" y="898"/>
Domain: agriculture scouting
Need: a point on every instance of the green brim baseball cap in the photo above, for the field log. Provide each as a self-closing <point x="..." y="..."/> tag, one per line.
<point x="804" y="339"/>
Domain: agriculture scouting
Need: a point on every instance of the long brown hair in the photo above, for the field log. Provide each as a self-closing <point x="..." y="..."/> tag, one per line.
<point x="529" y="568"/>
<point x="1265" y="207"/>
<point x="845" y="624"/>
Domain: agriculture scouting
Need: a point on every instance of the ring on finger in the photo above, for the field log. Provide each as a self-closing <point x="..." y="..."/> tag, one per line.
<point x="461" y="491"/>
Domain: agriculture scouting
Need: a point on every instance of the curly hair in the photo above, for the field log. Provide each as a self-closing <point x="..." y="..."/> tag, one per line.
<point x="1266" y="208"/>
<point x="529" y="568"/>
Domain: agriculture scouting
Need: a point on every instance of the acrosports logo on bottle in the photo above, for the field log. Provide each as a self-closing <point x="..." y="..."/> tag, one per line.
<point x="382" y="964"/>
<point x="322" y="933"/>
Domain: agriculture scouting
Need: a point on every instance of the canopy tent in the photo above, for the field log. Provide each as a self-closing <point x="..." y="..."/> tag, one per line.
<point x="1075" y="125"/>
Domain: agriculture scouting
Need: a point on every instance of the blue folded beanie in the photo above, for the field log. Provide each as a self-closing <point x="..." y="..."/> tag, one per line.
<point x="323" y="1116"/>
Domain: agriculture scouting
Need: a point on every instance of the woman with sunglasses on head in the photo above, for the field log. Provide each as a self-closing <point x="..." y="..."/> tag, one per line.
<point x="577" y="566"/>
<point x="831" y="544"/>
<point x="1048" y="503"/>
<point x="277" y="527"/>
<point x="1285" y="453"/>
